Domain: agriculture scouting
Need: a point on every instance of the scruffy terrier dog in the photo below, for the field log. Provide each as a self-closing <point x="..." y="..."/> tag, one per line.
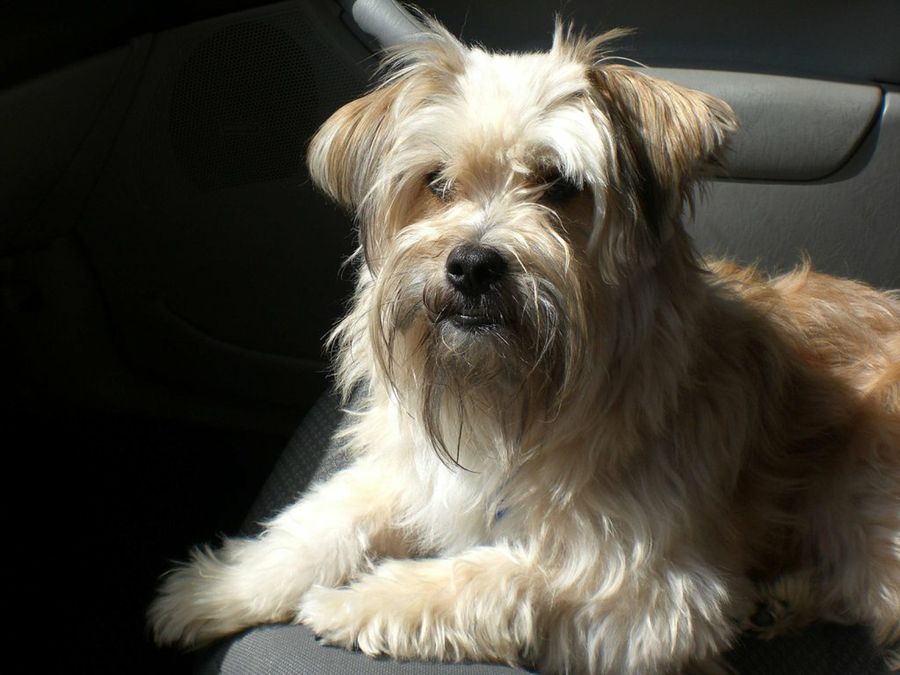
<point x="577" y="445"/>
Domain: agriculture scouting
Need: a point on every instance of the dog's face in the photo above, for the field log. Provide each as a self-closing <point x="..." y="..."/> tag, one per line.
<point x="502" y="201"/>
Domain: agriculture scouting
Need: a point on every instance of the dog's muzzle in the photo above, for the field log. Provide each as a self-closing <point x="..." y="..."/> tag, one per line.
<point x="476" y="273"/>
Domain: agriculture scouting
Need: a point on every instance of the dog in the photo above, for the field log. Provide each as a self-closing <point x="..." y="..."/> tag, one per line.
<point x="576" y="444"/>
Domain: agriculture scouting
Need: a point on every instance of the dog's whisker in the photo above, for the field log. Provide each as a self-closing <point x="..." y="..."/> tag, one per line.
<point x="621" y="59"/>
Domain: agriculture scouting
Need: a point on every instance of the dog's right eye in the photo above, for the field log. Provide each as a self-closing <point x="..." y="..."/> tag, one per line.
<point x="559" y="188"/>
<point x="439" y="186"/>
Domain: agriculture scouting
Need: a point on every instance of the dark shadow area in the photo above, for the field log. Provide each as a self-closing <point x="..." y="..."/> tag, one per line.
<point x="103" y="503"/>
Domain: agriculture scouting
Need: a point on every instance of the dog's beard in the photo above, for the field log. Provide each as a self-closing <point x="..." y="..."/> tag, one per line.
<point x="485" y="374"/>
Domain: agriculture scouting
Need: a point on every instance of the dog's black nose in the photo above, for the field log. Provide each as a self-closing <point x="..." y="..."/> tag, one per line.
<point x="472" y="269"/>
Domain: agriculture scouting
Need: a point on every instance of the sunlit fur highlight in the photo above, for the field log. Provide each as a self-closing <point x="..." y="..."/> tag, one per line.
<point x="640" y="449"/>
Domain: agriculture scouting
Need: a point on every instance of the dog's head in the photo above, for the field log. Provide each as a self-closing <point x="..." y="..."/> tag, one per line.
<point x="504" y="201"/>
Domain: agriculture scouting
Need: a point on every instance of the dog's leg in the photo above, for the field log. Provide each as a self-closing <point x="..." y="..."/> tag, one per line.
<point x="499" y="604"/>
<point x="324" y="538"/>
<point x="480" y="605"/>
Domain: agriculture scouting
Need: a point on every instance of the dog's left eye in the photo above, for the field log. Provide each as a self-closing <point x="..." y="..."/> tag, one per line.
<point x="439" y="186"/>
<point x="559" y="188"/>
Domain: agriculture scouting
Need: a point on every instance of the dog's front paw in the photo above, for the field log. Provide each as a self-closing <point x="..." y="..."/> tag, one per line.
<point x="336" y="616"/>
<point x="185" y="613"/>
<point x="347" y="617"/>
<point x="362" y="617"/>
<point x="441" y="609"/>
<point x="210" y="597"/>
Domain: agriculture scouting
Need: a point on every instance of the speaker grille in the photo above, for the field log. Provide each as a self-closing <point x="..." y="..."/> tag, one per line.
<point x="241" y="107"/>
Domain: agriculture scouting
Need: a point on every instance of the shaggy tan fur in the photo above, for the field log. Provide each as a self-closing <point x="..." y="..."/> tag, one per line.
<point x="604" y="461"/>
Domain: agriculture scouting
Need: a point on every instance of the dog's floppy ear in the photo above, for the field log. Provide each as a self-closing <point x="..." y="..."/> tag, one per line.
<point x="666" y="135"/>
<point x="346" y="153"/>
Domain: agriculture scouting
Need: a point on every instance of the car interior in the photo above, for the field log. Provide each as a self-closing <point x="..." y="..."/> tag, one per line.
<point x="168" y="272"/>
